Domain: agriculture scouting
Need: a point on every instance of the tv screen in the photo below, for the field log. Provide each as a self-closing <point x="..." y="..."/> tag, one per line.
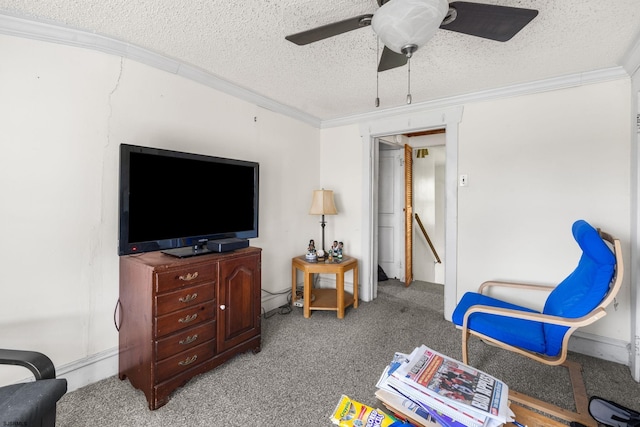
<point x="182" y="202"/>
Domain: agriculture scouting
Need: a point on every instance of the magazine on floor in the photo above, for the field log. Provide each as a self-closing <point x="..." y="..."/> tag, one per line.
<point x="448" y="416"/>
<point x="396" y="362"/>
<point x="404" y="408"/>
<point x="458" y="391"/>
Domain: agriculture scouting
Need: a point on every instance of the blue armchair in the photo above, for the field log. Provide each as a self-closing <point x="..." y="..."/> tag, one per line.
<point x="32" y="403"/>
<point x="577" y="301"/>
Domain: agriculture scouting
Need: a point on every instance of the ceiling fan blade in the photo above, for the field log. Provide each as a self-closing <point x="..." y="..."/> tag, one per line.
<point x="330" y="30"/>
<point x="391" y="59"/>
<point x="488" y="21"/>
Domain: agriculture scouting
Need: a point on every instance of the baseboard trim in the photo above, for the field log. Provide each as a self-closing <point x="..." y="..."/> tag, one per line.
<point x="90" y="369"/>
<point x="272" y="302"/>
<point x="600" y="347"/>
<point x="330" y="282"/>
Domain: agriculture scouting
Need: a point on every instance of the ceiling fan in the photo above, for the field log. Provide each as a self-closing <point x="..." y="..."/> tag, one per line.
<point x="405" y="25"/>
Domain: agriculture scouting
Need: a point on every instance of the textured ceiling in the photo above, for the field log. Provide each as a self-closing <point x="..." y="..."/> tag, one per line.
<point x="243" y="42"/>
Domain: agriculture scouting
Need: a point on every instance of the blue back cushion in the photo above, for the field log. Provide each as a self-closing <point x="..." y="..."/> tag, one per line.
<point x="583" y="289"/>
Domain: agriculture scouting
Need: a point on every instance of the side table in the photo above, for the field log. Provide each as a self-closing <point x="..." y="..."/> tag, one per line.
<point x="325" y="299"/>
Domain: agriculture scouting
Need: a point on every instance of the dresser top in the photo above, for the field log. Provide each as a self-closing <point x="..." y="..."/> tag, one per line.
<point x="160" y="260"/>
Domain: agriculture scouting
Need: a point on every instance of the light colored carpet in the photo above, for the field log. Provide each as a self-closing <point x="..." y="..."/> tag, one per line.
<point x="306" y="364"/>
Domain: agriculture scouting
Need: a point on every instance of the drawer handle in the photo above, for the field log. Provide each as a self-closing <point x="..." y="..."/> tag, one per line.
<point x="188" y="360"/>
<point x="189" y="339"/>
<point x="222" y="306"/>
<point x="188" y="298"/>
<point x="188" y="318"/>
<point x="188" y="277"/>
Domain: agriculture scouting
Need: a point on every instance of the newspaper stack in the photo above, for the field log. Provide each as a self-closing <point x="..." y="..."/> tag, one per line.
<point x="428" y="386"/>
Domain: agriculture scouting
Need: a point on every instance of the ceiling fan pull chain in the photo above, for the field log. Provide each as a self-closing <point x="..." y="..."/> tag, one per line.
<point x="409" y="80"/>
<point x="377" y="74"/>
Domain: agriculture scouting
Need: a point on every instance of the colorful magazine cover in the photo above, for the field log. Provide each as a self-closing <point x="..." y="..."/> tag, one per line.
<point x="454" y="383"/>
<point x="416" y="406"/>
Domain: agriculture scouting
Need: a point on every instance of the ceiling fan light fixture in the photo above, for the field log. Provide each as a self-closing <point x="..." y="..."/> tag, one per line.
<point x="409" y="49"/>
<point x="400" y="23"/>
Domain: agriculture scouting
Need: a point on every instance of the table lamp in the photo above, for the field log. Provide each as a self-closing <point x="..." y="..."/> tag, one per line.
<point x="323" y="204"/>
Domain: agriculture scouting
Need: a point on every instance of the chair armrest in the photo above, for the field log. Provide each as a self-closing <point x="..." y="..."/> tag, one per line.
<point x="40" y="365"/>
<point x="536" y="317"/>
<point x="488" y="284"/>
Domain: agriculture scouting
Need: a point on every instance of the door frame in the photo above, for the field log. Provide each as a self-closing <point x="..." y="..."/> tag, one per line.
<point x="448" y="118"/>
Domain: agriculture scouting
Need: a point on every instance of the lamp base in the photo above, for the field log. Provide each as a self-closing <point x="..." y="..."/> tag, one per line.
<point x="323" y="223"/>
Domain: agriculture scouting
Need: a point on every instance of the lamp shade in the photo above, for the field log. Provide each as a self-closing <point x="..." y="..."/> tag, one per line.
<point x="322" y="203"/>
<point x="399" y="23"/>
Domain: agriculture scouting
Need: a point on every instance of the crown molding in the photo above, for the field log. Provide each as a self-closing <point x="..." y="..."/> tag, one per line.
<point x="43" y="31"/>
<point x="554" y="83"/>
<point x="631" y="59"/>
<point x="53" y="33"/>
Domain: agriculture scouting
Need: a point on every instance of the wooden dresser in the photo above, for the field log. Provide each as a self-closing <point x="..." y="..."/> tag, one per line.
<point x="180" y="317"/>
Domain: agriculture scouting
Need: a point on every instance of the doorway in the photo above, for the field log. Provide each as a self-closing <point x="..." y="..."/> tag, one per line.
<point x="370" y="132"/>
<point x="428" y="184"/>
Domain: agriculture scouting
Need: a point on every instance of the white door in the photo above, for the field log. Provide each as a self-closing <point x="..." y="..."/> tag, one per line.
<point x="390" y="214"/>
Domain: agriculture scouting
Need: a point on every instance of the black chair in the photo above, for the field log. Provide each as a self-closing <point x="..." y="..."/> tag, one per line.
<point x="32" y="403"/>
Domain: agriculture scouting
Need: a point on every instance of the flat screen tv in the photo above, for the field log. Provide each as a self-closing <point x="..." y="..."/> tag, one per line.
<point x="185" y="204"/>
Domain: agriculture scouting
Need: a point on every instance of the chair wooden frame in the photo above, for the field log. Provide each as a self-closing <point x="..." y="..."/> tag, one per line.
<point x="581" y="401"/>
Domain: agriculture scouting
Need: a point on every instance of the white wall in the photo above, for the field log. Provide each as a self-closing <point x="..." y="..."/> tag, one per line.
<point x="429" y="201"/>
<point x="64" y="112"/>
<point x="535" y="165"/>
<point x="341" y="151"/>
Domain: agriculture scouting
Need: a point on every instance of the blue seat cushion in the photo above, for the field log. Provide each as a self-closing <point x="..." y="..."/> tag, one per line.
<point x="526" y="334"/>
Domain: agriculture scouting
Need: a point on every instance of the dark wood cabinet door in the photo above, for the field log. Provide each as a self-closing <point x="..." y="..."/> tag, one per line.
<point x="238" y="301"/>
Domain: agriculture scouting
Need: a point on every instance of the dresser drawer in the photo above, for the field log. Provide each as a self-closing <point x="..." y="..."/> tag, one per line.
<point x="183" y="361"/>
<point x="174" y="279"/>
<point x="185" y="340"/>
<point x="183" y="298"/>
<point x="185" y="318"/>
